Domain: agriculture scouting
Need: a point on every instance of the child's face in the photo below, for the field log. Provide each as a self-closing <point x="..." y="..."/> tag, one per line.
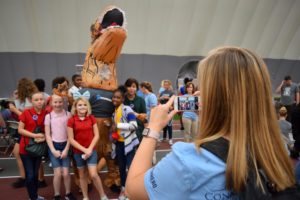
<point x="57" y="103"/>
<point x="132" y="89"/>
<point x="117" y="99"/>
<point x="78" y="81"/>
<point x="38" y="100"/>
<point x="81" y="108"/>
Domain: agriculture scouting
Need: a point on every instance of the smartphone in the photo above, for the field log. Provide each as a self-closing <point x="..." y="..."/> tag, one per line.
<point x="186" y="103"/>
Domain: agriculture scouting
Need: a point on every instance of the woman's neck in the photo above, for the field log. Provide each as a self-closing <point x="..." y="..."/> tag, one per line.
<point x="130" y="96"/>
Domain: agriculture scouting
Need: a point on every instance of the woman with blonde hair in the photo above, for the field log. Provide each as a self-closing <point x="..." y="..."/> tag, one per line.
<point x="237" y="110"/>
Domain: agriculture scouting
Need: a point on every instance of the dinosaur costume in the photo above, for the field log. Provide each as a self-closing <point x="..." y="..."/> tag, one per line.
<point x="99" y="78"/>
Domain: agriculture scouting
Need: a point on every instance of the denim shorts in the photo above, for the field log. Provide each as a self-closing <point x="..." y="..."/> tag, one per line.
<point x="58" y="162"/>
<point x="91" y="161"/>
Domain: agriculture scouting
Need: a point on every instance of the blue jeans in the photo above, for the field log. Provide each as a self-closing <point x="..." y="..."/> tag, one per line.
<point x="91" y="161"/>
<point x="123" y="161"/>
<point x="58" y="162"/>
<point x="31" y="166"/>
<point x="168" y="128"/>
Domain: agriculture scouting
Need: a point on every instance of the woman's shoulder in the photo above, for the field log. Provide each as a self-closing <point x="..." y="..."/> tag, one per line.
<point x="194" y="157"/>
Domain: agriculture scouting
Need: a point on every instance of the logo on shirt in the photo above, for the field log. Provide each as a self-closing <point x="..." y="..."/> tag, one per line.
<point x="35" y="117"/>
<point x="220" y="195"/>
<point x="287" y="91"/>
<point x="131" y="105"/>
<point x="152" y="180"/>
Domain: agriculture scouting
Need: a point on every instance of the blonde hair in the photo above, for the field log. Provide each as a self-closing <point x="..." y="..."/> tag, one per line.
<point x="74" y="111"/>
<point x="237" y="103"/>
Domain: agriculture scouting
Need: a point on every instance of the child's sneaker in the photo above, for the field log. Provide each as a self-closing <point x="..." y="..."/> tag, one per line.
<point x="122" y="194"/>
<point x="104" y="198"/>
<point x="57" y="197"/>
<point x="70" y="196"/>
<point x="170" y="142"/>
<point x="40" y="198"/>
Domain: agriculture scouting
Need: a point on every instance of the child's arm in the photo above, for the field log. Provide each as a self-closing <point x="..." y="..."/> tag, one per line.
<point x="24" y="132"/>
<point x="131" y="124"/>
<point x="65" y="152"/>
<point x="73" y="142"/>
<point x="94" y="141"/>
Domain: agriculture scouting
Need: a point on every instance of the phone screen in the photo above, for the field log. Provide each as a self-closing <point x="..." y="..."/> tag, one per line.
<point x="187" y="103"/>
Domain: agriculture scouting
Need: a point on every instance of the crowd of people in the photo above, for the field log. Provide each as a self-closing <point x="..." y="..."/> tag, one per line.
<point x="236" y="105"/>
<point x="65" y="123"/>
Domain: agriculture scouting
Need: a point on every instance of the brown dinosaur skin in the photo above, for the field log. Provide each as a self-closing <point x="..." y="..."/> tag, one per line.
<point x="99" y="72"/>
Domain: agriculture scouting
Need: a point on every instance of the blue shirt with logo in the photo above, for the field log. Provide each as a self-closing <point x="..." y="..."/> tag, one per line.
<point x="188" y="174"/>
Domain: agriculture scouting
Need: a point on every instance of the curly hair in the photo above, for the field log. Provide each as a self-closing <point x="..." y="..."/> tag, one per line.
<point x="26" y="88"/>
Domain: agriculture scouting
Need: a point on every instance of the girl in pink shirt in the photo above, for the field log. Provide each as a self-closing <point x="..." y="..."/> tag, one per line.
<point x="57" y="140"/>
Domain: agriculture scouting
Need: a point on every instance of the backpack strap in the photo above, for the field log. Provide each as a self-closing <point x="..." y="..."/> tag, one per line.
<point x="218" y="147"/>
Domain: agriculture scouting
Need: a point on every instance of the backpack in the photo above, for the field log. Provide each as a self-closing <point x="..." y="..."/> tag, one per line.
<point x="220" y="149"/>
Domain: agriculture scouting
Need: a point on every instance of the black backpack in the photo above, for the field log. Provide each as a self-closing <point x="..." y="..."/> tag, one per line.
<point x="220" y="149"/>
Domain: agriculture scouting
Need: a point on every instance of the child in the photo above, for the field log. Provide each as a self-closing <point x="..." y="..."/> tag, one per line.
<point x="77" y="80"/>
<point x="125" y="126"/>
<point x="56" y="136"/>
<point x="31" y="119"/>
<point x="83" y="135"/>
<point x="285" y="128"/>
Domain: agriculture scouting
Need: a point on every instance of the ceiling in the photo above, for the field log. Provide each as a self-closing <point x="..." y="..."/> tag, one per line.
<point x="169" y="27"/>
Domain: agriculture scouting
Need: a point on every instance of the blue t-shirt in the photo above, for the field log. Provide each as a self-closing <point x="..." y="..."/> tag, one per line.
<point x="188" y="174"/>
<point x="151" y="101"/>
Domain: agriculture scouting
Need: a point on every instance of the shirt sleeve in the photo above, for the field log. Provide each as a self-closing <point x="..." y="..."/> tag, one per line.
<point x="93" y="119"/>
<point x="157" y="179"/>
<point x="47" y="120"/>
<point x="70" y="122"/>
<point x="22" y="117"/>
<point x="153" y="101"/>
<point x="297" y="89"/>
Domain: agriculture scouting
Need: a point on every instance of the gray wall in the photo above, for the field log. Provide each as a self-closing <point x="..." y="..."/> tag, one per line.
<point x="143" y="67"/>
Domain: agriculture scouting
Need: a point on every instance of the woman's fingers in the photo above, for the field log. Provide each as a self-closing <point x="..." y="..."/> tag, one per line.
<point x="171" y="114"/>
<point x="170" y="102"/>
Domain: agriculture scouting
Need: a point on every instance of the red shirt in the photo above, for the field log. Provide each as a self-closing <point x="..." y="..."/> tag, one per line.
<point x="82" y="130"/>
<point x="27" y="117"/>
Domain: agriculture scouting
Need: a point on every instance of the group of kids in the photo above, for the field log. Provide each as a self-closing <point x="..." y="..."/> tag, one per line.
<point x="72" y="136"/>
